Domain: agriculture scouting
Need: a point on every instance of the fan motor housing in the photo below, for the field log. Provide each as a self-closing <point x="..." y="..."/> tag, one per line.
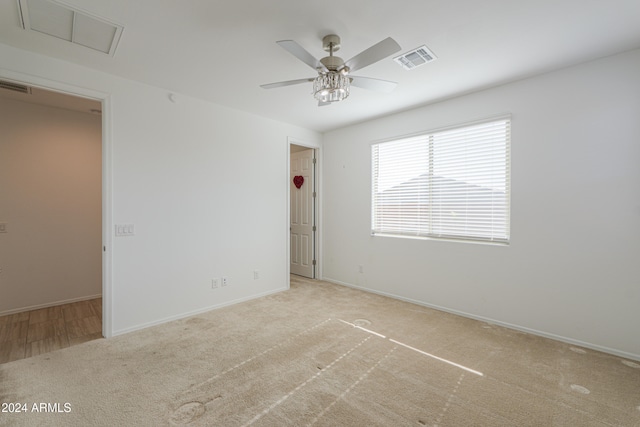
<point x="333" y="63"/>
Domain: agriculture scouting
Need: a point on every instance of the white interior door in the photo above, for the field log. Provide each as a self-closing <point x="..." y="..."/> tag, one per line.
<point x="302" y="213"/>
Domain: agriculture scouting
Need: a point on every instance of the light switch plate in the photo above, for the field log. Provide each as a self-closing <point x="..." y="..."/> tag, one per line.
<point x="125" y="230"/>
<point x="3" y="227"/>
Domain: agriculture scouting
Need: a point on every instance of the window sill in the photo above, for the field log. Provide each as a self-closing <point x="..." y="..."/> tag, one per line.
<point x="443" y="239"/>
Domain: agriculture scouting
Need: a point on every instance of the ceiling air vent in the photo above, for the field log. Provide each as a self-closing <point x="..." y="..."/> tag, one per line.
<point x="415" y="58"/>
<point x="58" y="20"/>
<point x="16" y="87"/>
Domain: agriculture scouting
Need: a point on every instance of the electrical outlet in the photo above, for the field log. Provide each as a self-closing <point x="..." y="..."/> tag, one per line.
<point x="225" y="281"/>
<point x="360" y="269"/>
<point x="256" y="274"/>
<point x="214" y="283"/>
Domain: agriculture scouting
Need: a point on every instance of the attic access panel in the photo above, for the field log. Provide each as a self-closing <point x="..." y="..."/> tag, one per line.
<point x="64" y="22"/>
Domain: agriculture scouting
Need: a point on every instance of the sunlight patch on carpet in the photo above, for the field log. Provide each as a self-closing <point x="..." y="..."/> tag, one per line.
<point x="285" y="397"/>
<point x="362" y="329"/>
<point x="457" y="365"/>
<point x="351" y="387"/>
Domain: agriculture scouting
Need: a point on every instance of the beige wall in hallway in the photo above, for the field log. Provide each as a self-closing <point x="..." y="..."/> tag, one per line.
<point x="51" y="200"/>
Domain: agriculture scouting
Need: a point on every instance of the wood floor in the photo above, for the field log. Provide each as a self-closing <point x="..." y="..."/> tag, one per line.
<point x="40" y="331"/>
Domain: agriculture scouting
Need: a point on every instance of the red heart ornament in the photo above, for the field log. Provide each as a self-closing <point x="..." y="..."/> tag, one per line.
<point x="298" y="181"/>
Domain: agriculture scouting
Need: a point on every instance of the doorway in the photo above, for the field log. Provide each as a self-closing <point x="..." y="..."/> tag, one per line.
<point x="53" y="222"/>
<point x="303" y="206"/>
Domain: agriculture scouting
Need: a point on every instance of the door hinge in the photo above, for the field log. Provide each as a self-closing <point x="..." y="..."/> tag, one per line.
<point x="314" y="262"/>
<point x="314" y="160"/>
<point x="314" y="228"/>
<point x="314" y="194"/>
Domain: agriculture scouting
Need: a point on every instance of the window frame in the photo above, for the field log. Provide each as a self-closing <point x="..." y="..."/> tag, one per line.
<point x="429" y="135"/>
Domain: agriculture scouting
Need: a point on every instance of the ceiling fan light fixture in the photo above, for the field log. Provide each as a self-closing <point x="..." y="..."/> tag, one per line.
<point x="332" y="86"/>
<point x="334" y="80"/>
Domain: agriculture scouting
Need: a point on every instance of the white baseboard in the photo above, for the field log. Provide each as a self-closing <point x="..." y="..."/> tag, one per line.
<point x="195" y="312"/>
<point x="49" y="304"/>
<point x="555" y="337"/>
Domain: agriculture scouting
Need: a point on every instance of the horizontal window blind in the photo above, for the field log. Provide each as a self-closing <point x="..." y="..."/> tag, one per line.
<point x="450" y="184"/>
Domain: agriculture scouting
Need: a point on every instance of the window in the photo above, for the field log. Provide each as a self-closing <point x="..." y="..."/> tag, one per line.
<point x="452" y="183"/>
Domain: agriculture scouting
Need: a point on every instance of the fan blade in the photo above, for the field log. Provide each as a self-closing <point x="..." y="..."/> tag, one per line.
<point x="299" y="52"/>
<point x="287" y="83"/>
<point x="374" y="54"/>
<point x="373" y="84"/>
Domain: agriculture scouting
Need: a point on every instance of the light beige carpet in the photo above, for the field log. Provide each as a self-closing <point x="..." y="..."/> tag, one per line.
<point x="323" y="355"/>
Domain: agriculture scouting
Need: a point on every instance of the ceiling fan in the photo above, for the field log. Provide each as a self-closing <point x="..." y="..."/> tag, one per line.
<point x="334" y="79"/>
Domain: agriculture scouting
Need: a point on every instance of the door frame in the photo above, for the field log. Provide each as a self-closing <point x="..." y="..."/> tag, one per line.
<point x="107" y="174"/>
<point x="317" y="205"/>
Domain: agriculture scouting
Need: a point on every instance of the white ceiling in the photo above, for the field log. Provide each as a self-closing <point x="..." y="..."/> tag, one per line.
<point x="222" y="51"/>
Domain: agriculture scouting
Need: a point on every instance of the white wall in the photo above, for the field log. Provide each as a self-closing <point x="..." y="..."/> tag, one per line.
<point x="204" y="185"/>
<point x="571" y="270"/>
<point x="50" y="198"/>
